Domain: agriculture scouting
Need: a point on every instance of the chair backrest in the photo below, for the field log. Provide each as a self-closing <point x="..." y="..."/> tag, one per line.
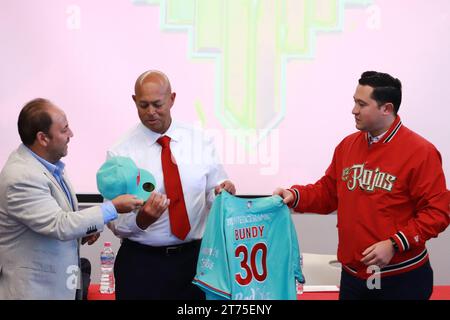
<point x="321" y="269"/>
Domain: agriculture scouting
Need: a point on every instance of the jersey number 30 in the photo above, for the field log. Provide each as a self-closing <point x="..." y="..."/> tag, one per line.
<point x="252" y="270"/>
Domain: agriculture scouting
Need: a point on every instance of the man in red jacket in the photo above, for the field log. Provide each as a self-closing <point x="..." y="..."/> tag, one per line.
<point x="388" y="187"/>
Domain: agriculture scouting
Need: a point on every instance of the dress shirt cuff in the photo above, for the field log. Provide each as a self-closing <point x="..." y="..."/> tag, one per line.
<point x="109" y="212"/>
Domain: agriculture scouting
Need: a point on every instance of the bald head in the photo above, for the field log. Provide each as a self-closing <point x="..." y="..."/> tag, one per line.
<point x="154" y="99"/>
<point x="155" y="78"/>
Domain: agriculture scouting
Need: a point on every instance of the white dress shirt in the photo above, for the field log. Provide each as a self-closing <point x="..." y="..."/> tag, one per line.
<point x="200" y="171"/>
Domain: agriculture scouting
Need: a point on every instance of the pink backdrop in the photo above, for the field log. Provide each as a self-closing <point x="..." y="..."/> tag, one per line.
<point x="90" y="72"/>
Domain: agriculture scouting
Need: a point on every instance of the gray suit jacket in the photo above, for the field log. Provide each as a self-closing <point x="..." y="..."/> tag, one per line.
<point x="39" y="232"/>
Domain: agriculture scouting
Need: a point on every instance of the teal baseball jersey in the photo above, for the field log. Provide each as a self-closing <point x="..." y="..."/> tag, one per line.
<point x="249" y="250"/>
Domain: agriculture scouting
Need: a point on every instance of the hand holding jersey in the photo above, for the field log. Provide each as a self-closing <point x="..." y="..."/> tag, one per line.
<point x="227" y="185"/>
<point x="284" y="194"/>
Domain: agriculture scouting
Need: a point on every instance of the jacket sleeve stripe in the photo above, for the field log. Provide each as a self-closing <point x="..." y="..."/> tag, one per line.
<point x="296" y="195"/>
<point x="403" y="240"/>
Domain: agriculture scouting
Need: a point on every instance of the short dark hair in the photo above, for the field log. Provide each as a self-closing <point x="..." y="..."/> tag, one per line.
<point x="385" y="88"/>
<point x="33" y="118"/>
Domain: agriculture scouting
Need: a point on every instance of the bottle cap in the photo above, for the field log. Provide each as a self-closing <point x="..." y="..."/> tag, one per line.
<point x="107" y="244"/>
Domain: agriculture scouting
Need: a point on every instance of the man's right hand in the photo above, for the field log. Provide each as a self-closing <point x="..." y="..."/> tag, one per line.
<point x="285" y="194"/>
<point x="152" y="210"/>
<point x="126" y="203"/>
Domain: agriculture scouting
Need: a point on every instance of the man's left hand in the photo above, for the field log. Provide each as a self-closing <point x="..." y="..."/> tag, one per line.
<point x="379" y="254"/>
<point x="226" y="185"/>
<point x="90" y="239"/>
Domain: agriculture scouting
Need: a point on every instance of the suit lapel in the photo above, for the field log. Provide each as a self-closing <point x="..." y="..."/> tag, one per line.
<point x="71" y="192"/>
<point x="39" y="166"/>
<point x="55" y="182"/>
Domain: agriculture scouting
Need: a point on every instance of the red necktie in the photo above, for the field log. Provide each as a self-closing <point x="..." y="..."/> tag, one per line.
<point x="179" y="220"/>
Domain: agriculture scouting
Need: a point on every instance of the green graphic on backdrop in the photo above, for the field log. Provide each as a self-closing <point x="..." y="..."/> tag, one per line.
<point x="251" y="42"/>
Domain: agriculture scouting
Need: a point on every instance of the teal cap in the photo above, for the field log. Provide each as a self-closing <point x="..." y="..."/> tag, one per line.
<point x="120" y="175"/>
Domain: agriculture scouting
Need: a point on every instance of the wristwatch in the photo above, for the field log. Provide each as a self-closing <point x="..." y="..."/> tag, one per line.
<point x="394" y="244"/>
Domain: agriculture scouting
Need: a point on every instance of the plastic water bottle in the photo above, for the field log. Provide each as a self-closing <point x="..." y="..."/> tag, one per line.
<point x="107" y="269"/>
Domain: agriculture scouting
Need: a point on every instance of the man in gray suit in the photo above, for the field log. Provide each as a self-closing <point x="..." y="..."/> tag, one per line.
<point x="40" y="224"/>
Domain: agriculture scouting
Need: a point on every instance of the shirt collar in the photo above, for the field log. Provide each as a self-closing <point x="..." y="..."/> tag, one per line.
<point x="373" y="139"/>
<point x="389" y="134"/>
<point x="56" y="169"/>
<point x="171" y="132"/>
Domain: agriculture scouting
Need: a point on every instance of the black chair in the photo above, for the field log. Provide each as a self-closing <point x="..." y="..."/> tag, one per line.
<point x="85" y="266"/>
